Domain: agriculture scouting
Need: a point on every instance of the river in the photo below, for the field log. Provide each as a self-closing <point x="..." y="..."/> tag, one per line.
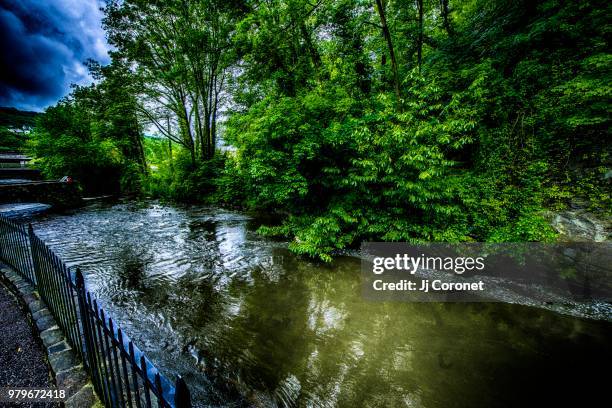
<point x="246" y="323"/>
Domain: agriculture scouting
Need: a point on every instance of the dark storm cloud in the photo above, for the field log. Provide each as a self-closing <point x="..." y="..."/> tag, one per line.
<point x="43" y="45"/>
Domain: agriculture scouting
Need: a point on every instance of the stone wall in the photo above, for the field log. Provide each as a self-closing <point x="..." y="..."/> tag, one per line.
<point x="20" y="173"/>
<point x="59" y="195"/>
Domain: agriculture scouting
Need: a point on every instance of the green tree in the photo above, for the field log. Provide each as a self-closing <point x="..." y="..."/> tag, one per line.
<point x="94" y="134"/>
<point x="181" y="50"/>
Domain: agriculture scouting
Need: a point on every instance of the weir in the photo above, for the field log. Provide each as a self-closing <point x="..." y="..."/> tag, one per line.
<point x="22" y="184"/>
<point x="58" y="194"/>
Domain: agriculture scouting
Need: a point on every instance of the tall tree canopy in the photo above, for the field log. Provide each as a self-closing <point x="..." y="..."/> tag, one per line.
<point x="182" y="51"/>
<point x="94" y="134"/>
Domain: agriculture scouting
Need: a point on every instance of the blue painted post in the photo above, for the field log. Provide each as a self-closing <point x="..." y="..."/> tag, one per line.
<point x="182" y="398"/>
<point x="89" y="351"/>
<point x="35" y="265"/>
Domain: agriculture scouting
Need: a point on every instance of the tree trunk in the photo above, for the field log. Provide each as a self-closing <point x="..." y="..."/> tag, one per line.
<point x="210" y="114"/>
<point x="200" y="132"/>
<point x="198" y="126"/>
<point x="170" y="151"/>
<point x="314" y="54"/>
<point x="420" y="35"/>
<point x="213" y="131"/>
<point x="186" y="130"/>
<point x="387" y="35"/>
<point x="141" y="154"/>
<point x="206" y="134"/>
<point x="445" y="12"/>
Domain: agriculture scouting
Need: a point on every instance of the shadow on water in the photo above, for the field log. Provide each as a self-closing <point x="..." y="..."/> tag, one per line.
<point x="246" y="323"/>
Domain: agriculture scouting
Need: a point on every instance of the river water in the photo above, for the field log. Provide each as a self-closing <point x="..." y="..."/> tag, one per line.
<point x="246" y="323"/>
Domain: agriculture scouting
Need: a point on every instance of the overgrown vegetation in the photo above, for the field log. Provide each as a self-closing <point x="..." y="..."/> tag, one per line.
<point x="450" y="120"/>
<point x="93" y="135"/>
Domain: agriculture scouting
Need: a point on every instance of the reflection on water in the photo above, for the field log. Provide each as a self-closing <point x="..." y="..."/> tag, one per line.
<point x="248" y="324"/>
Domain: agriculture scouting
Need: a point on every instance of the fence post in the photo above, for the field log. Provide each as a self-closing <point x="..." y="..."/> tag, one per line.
<point x="83" y="313"/>
<point x="2" y="238"/>
<point x="45" y="264"/>
<point x="33" y="252"/>
<point x="182" y="398"/>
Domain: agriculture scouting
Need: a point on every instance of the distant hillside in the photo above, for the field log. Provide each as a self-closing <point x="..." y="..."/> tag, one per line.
<point x="12" y="117"/>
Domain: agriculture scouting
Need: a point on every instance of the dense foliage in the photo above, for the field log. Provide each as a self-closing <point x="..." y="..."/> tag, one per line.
<point x="93" y="136"/>
<point x="11" y="141"/>
<point x="489" y="124"/>
<point x="449" y="120"/>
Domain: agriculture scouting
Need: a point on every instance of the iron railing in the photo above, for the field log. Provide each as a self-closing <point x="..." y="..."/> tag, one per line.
<point x="121" y="374"/>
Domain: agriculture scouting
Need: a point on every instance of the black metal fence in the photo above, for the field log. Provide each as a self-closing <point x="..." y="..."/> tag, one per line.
<point x="120" y="372"/>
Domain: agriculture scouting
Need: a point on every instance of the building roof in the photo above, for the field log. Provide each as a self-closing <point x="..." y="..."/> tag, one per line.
<point x="13" y="157"/>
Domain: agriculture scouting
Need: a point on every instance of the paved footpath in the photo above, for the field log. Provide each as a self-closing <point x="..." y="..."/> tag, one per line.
<point x="23" y="361"/>
<point x="37" y="355"/>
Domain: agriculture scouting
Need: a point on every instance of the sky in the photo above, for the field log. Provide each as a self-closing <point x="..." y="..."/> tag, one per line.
<point x="43" y="44"/>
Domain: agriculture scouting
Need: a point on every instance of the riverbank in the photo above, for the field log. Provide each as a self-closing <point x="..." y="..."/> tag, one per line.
<point x="531" y="295"/>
